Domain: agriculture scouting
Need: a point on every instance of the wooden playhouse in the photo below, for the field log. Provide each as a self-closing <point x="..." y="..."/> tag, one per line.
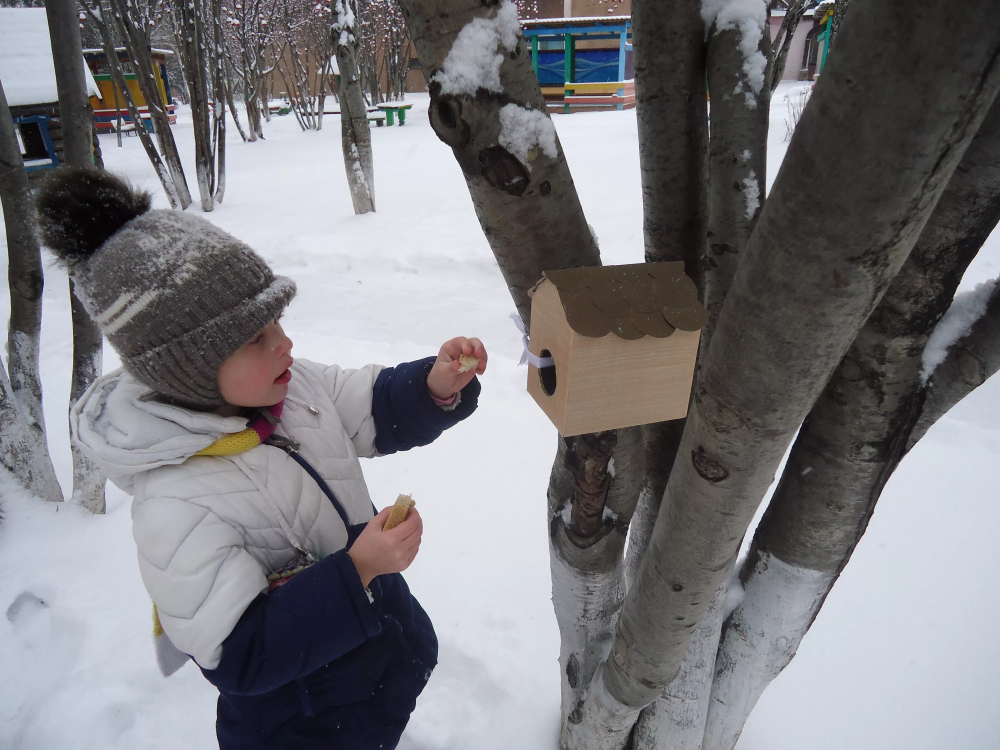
<point x="583" y="64"/>
<point x="623" y="342"/>
<point x="109" y="105"/>
<point x="29" y="81"/>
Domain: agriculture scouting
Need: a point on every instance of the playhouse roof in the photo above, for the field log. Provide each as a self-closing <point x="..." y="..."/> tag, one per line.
<point x="26" y="68"/>
<point x="631" y="301"/>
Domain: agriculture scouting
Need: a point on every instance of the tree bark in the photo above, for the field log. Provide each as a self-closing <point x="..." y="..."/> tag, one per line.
<point x="192" y="40"/>
<point x="808" y="281"/>
<point x="77" y="121"/>
<point x="669" y="44"/>
<point x="356" y="137"/>
<point x="849" y="446"/>
<point x="219" y="89"/>
<point x="970" y="363"/>
<point x="737" y="158"/>
<point x="23" y="447"/>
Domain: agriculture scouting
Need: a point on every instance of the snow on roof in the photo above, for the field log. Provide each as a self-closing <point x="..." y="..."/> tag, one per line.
<point x="575" y="21"/>
<point x="154" y="50"/>
<point x="26" y="58"/>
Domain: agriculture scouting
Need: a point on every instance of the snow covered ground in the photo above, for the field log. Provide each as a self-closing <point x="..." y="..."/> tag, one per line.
<point x="903" y="655"/>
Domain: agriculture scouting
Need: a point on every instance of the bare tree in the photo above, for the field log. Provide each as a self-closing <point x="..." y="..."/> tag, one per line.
<point x="101" y="17"/>
<point x="782" y="42"/>
<point x="383" y="49"/>
<point x="78" y="146"/>
<point x="251" y="29"/>
<point x="23" y="448"/>
<point x="354" y="128"/>
<point x="789" y="290"/>
<point x="134" y="21"/>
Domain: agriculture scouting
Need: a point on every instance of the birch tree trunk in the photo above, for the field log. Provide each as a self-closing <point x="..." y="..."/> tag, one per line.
<point x="78" y="148"/>
<point x="849" y="446"/>
<point x="671" y="111"/>
<point x="23" y="447"/>
<point x="527" y="204"/>
<point x="355" y="132"/>
<point x="970" y="362"/>
<point x="101" y="17"/>
<point x="195" y="62"/>
<point x="134" y="35"/>
<point x="807" y="283"/>
<point x="219" y="89"/>
<point x="737" y="160"/>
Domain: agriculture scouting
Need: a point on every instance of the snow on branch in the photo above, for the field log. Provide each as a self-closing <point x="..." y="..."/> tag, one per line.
<point x="749" y="17"/>
<point x="955" y="324"/>
<point x="522" y="130"/>
<point x="474" y="60"/>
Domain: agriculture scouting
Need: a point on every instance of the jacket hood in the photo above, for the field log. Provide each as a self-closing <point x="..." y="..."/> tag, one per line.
<point x="119" y="425"/>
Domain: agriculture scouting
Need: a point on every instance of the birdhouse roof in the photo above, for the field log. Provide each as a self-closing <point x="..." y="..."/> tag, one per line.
<point x="631" y="301"/>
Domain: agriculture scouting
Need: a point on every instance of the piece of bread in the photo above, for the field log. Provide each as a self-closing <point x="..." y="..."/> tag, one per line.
<point x="399" y="511"/>
<point x="467" y="362"/>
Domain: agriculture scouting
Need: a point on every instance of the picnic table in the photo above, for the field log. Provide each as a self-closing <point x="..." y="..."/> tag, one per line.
<point x="392" y="109"/>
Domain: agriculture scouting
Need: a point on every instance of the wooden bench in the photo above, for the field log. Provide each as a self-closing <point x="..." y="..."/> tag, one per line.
<point x="378" y="118"/>
<point x="392" y="109"/>
<point x="617" y="94"/>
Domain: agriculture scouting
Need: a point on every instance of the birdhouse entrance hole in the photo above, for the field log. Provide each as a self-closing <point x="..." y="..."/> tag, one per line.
<point x="547" y="375"/>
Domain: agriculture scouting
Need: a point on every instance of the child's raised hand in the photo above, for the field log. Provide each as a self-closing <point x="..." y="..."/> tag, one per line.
<point x="376" y="552"/>
<point x="444" y="379"/>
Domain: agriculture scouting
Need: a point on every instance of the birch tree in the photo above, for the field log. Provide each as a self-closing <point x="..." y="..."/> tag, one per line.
<point x="355" y="133"/>
<point x="789" y="289"/>
<point x="102" y="18"/>
<point x="251" y="26"/>
<point x="78" y="147"/>
<point x="134" y="22"/>
<point x="23" y="448"/>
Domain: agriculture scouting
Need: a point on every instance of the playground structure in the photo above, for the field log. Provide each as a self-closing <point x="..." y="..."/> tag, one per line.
<point x="29" y="81"/>
<point x="583" y="64"/>
<point x="109" y="106"/>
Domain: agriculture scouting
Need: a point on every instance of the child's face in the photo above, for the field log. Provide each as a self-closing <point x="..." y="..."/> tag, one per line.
<point x="258" y="374"/>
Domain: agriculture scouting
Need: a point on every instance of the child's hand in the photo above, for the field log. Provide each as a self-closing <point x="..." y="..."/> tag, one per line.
<point x="377" y="552"/>
<point x="444" y="379"/>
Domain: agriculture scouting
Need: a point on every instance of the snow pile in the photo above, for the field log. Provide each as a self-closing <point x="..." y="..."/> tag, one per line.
<point x="523" y="130"/>
<point x="749" y="17"/>
<point x="751" y="193"/>
<point x="474" y="60"/>
<point x="965" y="310"/>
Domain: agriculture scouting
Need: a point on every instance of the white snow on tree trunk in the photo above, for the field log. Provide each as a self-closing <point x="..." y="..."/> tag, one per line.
<point x="751" y="194"/>
<point x="474" y="60"/>
<point x="955" y="324"/>
<point x="522" y="131"/>
<point x="676" y="719"/>
<point x="760" y="640"/>
<point x="749" y="17"/>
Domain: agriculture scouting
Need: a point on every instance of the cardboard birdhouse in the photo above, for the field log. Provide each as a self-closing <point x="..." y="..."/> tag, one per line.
<point x="623" y="341"/>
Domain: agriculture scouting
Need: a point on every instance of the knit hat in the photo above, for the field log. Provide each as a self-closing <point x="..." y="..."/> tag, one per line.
<point x="174" y="294"/>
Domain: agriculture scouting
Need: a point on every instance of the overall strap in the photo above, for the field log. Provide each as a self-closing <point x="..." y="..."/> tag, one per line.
<point x="291" y="447"/>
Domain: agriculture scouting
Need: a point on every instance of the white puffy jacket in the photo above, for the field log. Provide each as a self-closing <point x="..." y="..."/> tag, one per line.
<point x="209" y="529"/>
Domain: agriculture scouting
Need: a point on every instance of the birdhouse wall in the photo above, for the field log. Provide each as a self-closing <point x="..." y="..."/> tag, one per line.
<point x="606" y="383"/>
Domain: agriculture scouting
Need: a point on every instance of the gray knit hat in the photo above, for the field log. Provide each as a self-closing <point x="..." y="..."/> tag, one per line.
<point x="174" y="294"/>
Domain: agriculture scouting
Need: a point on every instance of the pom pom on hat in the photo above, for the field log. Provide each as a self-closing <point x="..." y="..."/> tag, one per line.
<point x="79" y="208"/>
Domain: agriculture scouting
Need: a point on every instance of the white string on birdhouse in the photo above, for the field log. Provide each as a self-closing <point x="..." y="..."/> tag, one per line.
<point x="526" y="355"/>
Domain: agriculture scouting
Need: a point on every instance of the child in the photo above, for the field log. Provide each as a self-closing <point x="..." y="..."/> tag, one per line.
<point x="253" y="524"/>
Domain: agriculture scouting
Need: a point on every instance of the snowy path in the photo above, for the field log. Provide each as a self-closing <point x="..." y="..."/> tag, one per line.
<point x="903" y="655"/>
